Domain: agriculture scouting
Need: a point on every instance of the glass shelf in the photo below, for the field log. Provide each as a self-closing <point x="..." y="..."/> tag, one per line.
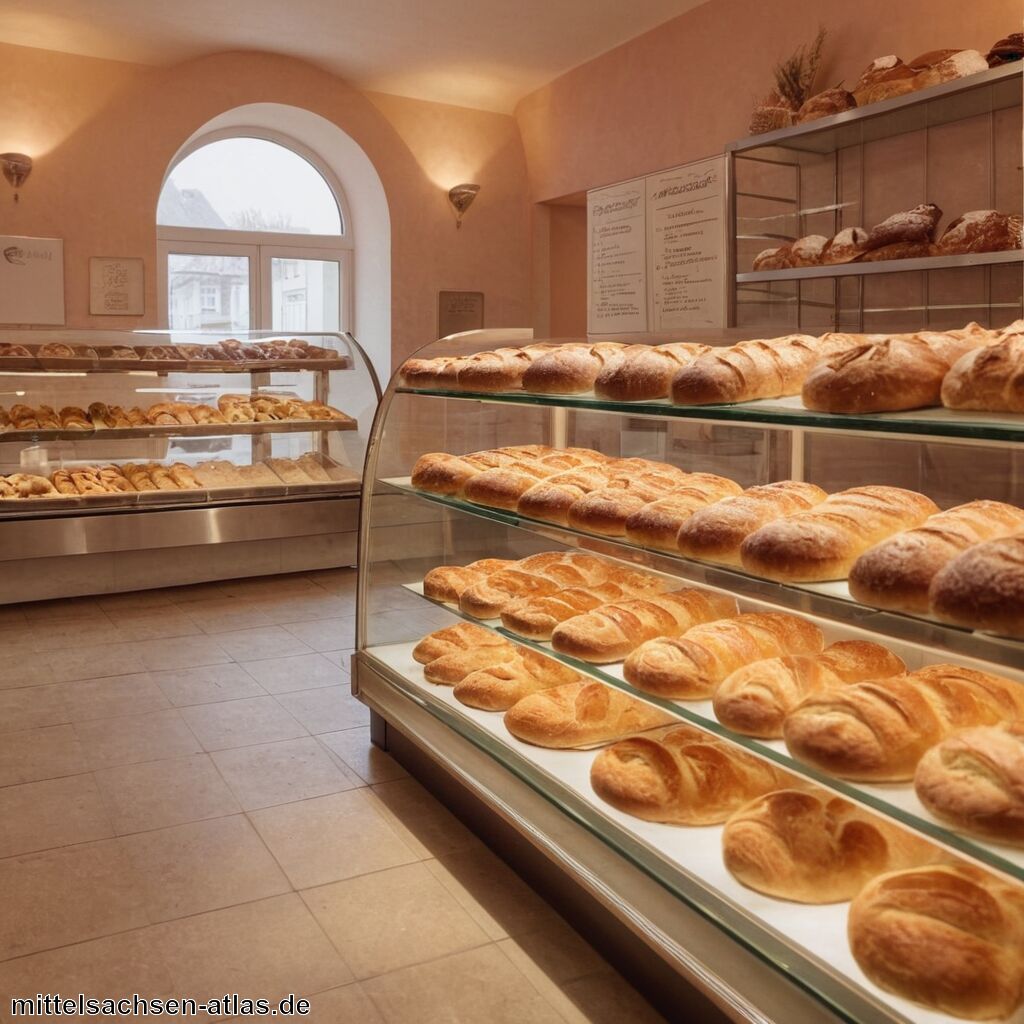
<point x="179" y="430"/>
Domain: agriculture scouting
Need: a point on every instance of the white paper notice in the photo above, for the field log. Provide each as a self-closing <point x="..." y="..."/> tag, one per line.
<point x="686" y="234"/>
<point x="617" y="259"/>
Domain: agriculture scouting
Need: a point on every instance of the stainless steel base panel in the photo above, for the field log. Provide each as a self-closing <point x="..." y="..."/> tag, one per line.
<point x="724" y="980"/>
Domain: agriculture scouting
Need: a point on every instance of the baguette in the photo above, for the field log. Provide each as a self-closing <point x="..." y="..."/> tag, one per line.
<point x="610" y="632"/>
<point x="645" y="372"/>
<point x="581" y="714"/>
<point x="681" y="776"/>
<point x="877" y="731"/>
<point x="974" y="780"/>
<point x="691" y="666"/>
<point x="990" y="378"/>
<point x="448" y="669"/>
<point x="447" y="582"/>
<point x="463" y="636"/>
<point x="657" y="523"/>
<point x="950" y="937"/>
<point x="813" y="847"/>
<point x="498" y="687"/>
<point x="715" y="533"/>
<point x="824" y="542"/>
<point x="897" y="573"/>
<point x="755" y="699"/>
<point x="571" y="369"/>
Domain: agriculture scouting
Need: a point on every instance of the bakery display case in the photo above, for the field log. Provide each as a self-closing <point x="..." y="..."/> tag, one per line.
<point x="115" y="442"/>
<point x="738" y="669"/>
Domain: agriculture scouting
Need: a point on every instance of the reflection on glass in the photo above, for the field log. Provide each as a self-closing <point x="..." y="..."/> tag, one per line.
<point x="305" y="295"/>
<point x="207" y="292"/>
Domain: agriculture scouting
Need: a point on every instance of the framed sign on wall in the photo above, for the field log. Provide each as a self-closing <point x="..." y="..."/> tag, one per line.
<point x="31" y="281"/>
<point x="458" y="312"/>
<point x="117" y="286"/>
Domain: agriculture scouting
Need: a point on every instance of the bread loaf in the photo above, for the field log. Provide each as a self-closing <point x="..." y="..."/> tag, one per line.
<point x="498" y="687"/>
<point x="581" y="714"/>
<point x="989" y="378"/>
<point x="824" y="542"/>
<point x="502" y="487"/>
<point x="691" y="666"/>
<point x="877" y="731"/>
<point x="550" y="500"/>
<point x="812" y="847"/>
<point x="463" y="636"/>
<point x="806" y="251"/>
<point x="1006" y="50"/>
<point x="916" y="225"/>
<point x="898" y="573"/>
<point x="571" y="369"/>
<point x="610" y="632"/>
<point x="447" y="582"/>
<point x="448" y="669"/>
<point x="656" y="524"/>
<point x="958" y="64"/>
<point x="825" y="104"/>
<point x="974" y="780"/>
<point x="950" y="937"/>
<point x="500" y="370"/>
<point x="755" y="699"/>
<point x="440" y="473"/>
<point x="607" y="510"/>
<point x="681" y="776"/>
<point x="899" y="251"/>
<point x="846" y="246"/>
<point x="779" y="257"/>
<point x="884" y="78"/>
<point x="645" y="372"/>
<point x="715" y="533"/>
<point x="981" y="231"/>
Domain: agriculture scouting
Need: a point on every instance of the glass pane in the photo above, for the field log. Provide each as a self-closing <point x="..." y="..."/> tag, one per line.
<point x="207" y="292"/>
<point x="305" y="295"/>
<point x="249" y="185"/>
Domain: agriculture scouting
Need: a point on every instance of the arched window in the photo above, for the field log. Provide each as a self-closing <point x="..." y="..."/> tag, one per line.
<point x="253" y="234"/>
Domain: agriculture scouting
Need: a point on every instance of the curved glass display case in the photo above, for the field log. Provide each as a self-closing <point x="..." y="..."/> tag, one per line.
<point x="776" y="949"/>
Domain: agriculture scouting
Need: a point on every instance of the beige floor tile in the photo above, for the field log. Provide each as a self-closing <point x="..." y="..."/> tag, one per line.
<point x="261" y="950"/>
<point x="257" y="644"/>
<point x="194" y="592"/>
<point x="23" y="665"/>
<point x="327" y="709"/>
<point x="180" y="652"/>
<point x="204" y="865"/>
<point x="68" y="895"/>
<point x="301" y="672"/>
<point x="238" y="723"/>
<point x="310" y="608"/>
<point x="57" y="812"/>
<point x="335" y="634"/>
<point x="556" y="951"/>
<point x="278" y="773"/>
<point x="425" y="825"/>
<point x="64" y="610"/>
<point x="206" y="684"/>
<point x="282" y="586"/>
<point x="36" y="754"/>
<point x="467" y="988"/>
<point x="153" y="622"/>
<point x="95" y="662"/>
<point x="343" y="659"/>
<point x="348" y="1005"/>
<point x="112" y="697"/>
<point x="330" y="838"/>
<point x="131" y="739"/>
<point x="370" y="763"/>
<point x="390" y="919"/>
<point x="606" y="998"/>
<point x="134" y="600"/>
<point x="223" y="615"/>
<point x="158" y="794"/>
<point x="55" y="636"/>
<point x="31" y="707"/>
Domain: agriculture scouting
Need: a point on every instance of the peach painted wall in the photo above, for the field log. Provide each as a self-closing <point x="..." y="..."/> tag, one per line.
<point x="102" y="134"/>
<point x="568" y="271"/>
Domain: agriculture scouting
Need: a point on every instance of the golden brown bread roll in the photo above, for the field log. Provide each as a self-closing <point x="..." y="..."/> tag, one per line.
<point x="610" y="632"/>
<point x="447" y="582"/>
<point x="498" y="687"/>
<point x="448" y="669"/>
<point x="581" y="714"/>
<point x="824" y="542"/>
<point x="983" y="588"/>
<point x="500" y="370"/>
<point x="681" y="776"/>
<point x="571" y="369"/>
<point x="813" y="847"/>
<point x="503" y="486"/>
<point x="463" y="636"/>
<point x="898" y="573"/>
<point x="990" y="378"/>
<point x="645" y="372"/>
<point x="974" y="780"/>
<point x="440" y="473"/>
<point x="755" y="699"/>
<point x="606" y="511"/>
<point x="691" y="666"/>
<point x="551" y="499"/>
<point x="877" y="731"/>
<point x="950" y="937"/>
<point x="657" y="523"/>
<point x="715" y="533"/>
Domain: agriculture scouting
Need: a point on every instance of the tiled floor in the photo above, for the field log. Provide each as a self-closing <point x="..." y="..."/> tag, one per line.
<point x="190" y="805"/>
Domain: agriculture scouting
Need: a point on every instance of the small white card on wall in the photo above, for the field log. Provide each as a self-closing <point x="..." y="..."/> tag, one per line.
<point x="31" y="281"/>
<point x="116" y="286"/>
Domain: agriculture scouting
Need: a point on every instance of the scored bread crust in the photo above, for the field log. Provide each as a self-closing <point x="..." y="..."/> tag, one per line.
<point x="983" y="588"/>
<point x="657" y="523"/>
<point x="645" y="372"/>
<point x="498" y="687"/>
<point x="989" y="378"/>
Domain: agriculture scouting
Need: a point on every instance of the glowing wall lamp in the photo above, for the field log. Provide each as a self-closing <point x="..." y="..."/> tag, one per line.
<point x="461" y="197"/>
<point x="16" y="167"/>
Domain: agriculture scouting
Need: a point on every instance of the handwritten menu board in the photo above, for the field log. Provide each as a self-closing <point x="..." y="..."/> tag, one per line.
<point x="617" y="259"/>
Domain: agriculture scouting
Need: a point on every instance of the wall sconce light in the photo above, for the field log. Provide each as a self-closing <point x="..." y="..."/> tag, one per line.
<point x="17" y="167"/>
<point x="461" y="197"/>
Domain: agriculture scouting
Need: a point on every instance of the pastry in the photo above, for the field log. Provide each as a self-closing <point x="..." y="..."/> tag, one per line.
<point x="463" y="636"/>
<point x="499" y="687"/>
<point x="825" y="104"/>
<point x="28" y="485"/>
<point x="62" y="482"/>
<point x="139" y="477"/>
<point x="845" y="247"/>
<point x="114" y="479"/>
<point x="645" y="372"/>
<point x="983" y="588"/>
<point x="9" y="351"/>
<point x="289" y="471"/>
<point x="884" y="78"/>
<point x="162" y="414"/>
<point x="55" y="350"/>
<point x="981" y="231"/>
<point x="74" y="418"/>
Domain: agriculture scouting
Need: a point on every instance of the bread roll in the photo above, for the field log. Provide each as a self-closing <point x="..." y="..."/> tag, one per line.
<point x="845" y="247"/>
<point x="645" y="372"/>
<point x="981" y="231"/>
<point x="581" y="714"/>
<point x="447" y="582"/>
<point x="498" y="687"/>
<point x="571" y="369"/>
<point x="950" y="937"/>
<point x="448" y="669"/>
<point x="974" y="780"/>
<point x="812" y="847"/>
<point x="550" y="500"/>
<point x="606" y="511"/>
<point x="755" y="699"/>
<point x="610" y="632"/>
<point x="440" y="473"/>
<point x="715" y="533"/>
<point x="656" y="524"/>
<point x="463" y="636"/>
<point x="877" y="731"/>
<point x="989" y="378"/>
<point x="681" y="776"/>
<point x="503" y="486"/>
<point x="824" y="542"/>
<point x="690" y="667"/>
<point x="898" y="573"/>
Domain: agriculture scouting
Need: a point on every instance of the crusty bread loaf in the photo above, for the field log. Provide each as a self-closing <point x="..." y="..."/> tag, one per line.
<point x="581" y="714"/>
<point x="691" y="666"/>
<point x="950" y="937"/>
<point x="756" y="698"/>
<point x="681" y="775"/>
<point x="606" y="511"/>
<point x="898" y="573"/>
<point x="779" y="257"/>
<point x="440" y="473"/>
<point x="463" y="636"/>
<point x="500" y="370"/>
<point x="645" y="372"/>
<point x="610" y="632"/>
<point x="958" y="64"/>
<point x="824" y="542"/>
<point x="983" y="588"/>
<point x="877" y="731"/>
<point x="813" y="847"/>
<point x="899" y="251"/>
<point x="503" y="486"/>
<point x="498" y="687"/>
<point x="448" y="669"/>
<point x="806" y="251"/>
<point x="715" y="533"/>
<point x="447" y="582"/>
<point x="846" y="246"/>
<point x="656" y="524"/>
<point x="825" y="104"/>
<point x="884" y="78"/>
<point x="550" y="500"/>
<point x="990" y="378"/>
<point x="981" y="231"/>
<point x="916" y="225"/>
<point x="571" y="369"/>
